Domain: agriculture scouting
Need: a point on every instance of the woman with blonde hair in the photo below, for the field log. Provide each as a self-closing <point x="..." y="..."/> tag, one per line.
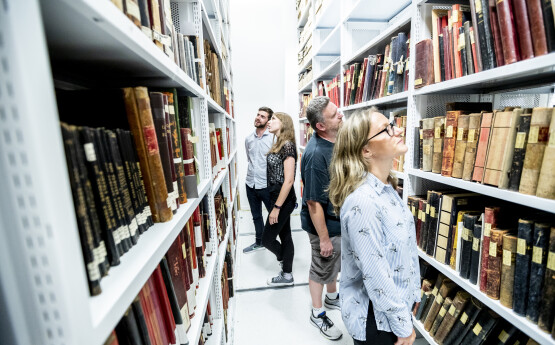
<point x="281" y="169"/>
<point x="380" y="275"/>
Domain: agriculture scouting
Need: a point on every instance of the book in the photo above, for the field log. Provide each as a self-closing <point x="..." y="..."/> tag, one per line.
<point x="537" y="28"/>
<point x="434" y="205"/>
<point x="460" y="145"/>
<point x="520" y="16"/>
<point x="459" y="303"/>
<point x="519" y="152"/>
<point x="468" y="43"/>
<point x="425" y="222"/>
<point x="508" y="270"/>
<point x="504" y="333"/>
<point x="465" y="323"/>
<point x="431" y="299"/>
<point x="494" y="263"/>
<point x="546" y="180"/>
<point x="424" y="64"/>
<point x="447" y="287"/>
<point x="483" y="34"/>
<point x="140" y="319"/>
<point x="475" y="254"/>
<point x="549" y="23"/>
<point x="180" y="326"/>
<point x="450" y="138"/>
<point x="522" y="265"/>
<point x="428" y="143"/>
<point x="490" y="222"/>
<point x="496" y="34"/>
<point x="471" y="145"/>
<point x="537" y="142"/>
<point x="537" y="270"/>
<point x="483" y="147"/>
<point x="175" y="135"/>
<point x="439" y="134"/>
<point x="422" y="305"/>
<point x="441" y="315"/>
<point x="127" y="330"/>
<point x="485" y="323"/>
<point x="469" y="220"/>
<point x="500" y="151"/>
<point x="547" y="306"/>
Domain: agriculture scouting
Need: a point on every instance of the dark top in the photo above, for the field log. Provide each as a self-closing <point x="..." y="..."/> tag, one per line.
<point x="275" y="174"/>
<point x="316" y="179"/>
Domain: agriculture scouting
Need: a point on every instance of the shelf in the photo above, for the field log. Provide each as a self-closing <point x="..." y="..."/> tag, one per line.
<point x="399" y="175"/>
<point x="378" y="43"/>
<point x="207" y="21"/>
<point x="231" y="318"/>
<point x="215" y="107"/>
<point x="307" y="87"/>
<point x="329" y="15"/>
<point x="302" y="147"/>
<point x="222" y="249"/>
<point x="331" y="45"/>
<point x="219" y="180"/>
<point x="229" y="117"/>
<point x="510" y="196"/>
<point x="367" y="10"/>
<point x="303" y="120"/>
<point x="395" y="98"/>
<point x="304" y="15"/>
<point x="203" y="295"/>
<point x="420" y="327"/>
<point x="125" y="281"/>
<point x="95" y="44"/>
<point x="217" y="330"/>
<point x="532" y="72"/>
<point x="305" y="65"/>
<point x="231" y="157"/>
<point x="520" y="322"/>
<point x="328" y="72"/>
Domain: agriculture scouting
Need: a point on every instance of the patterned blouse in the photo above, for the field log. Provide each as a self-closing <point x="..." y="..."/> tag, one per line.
<point x="275" y="168"/>
<point x="379" y="260"/>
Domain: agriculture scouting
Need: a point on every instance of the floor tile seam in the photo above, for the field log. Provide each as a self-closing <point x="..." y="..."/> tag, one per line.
<point x="265" y="288"/>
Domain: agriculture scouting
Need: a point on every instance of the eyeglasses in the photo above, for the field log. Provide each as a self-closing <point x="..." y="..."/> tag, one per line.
<point x="388" y="129"/>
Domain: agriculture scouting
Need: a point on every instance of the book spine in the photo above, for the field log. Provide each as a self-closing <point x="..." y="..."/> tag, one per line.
<point x="523" y="29"/>
<point x="459" y="303"/>
<point x="508" y="270"/>
<point x="546" y="180"/>
<point x="494" y="263"/>
<point x="537" y="270"/>
<point x="460" y="146"/>
<point x="466" y="321"/>
<point x="176" y="152"/>
<point x="484" y="325"/>
<point x="483" y="147"/>
<point x="468" y="42"/>
<point x="547" y="307"/>
<point x="508" y="33"/>
<point x="439" y="133"/>
<point x="428" y="144"/>
<point x="522" y="265"/>
<point x="490" y="222"/>
<point x="523" y="128"/>
<point x="471" y="145"/>
<point x="537" y="28"/>
<point x="444" y="291"/>
<point x="441" y="315"/>
<point x="433" y="223"/>
<point x="450" y="138"/>
<point x="475" y="34"/>
<point x="462" y="52"/>
<point x="467" y="235"/>
<point x="496" y="35"/>
<point x="549" y="22"/>
<point x="475" y="254"/>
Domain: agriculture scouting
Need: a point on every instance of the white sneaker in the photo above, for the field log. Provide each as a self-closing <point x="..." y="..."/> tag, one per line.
<point x="326" y="326"/>
<point x="332" y="303"/>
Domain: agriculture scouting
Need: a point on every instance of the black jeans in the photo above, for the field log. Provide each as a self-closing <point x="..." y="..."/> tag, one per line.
<point x="256" y="198"/>
<point x="373" y="335"/>
<point x="284" y="251"/>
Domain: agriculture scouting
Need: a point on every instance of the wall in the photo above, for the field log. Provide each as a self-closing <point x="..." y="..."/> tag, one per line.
<point x="263" y="44"/>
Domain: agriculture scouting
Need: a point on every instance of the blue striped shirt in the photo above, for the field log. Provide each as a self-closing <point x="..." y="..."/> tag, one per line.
<point x="379" y="260"/>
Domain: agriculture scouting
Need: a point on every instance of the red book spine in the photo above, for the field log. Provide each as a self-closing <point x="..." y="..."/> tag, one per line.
<point x="490" y="222"/>
<point x="146" y="311"/>
<point x="165" y="307"/>
<point x="496" y="33"/>
<point x="507" y="30"/>
<point x="446" y="53"/>
<point x="455" y="34"/>
<point x="156" y="337"/>
<point x="537" y="28"/>
<point x="523" y="28"/>
<point x="158" y="318"/>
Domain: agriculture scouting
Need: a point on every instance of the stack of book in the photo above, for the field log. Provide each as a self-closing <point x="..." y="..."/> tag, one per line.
<point x="216" y="149"/>
<point x="305" y="77"/>
<point x="512" y="148"/>
<point x="378" y="75"/>
<point x="330" y="88"/>
<point x="115" y="162"/>
<point x="304" y="100"/>
<point x="485" y="35"/>
<point x="220" y="205"/>
<point x="452" y="316"/>
<point x="227" y="288"/>
<point x="400" y="119"/>
<point x="214" y="74"/>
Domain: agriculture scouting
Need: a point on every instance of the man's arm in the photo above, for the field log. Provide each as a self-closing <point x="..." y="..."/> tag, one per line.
<point x="318" y="218"/>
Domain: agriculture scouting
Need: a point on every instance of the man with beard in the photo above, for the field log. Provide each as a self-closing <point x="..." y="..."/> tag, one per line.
<point x="317" y="215"/>
<point x="257" y="146"/>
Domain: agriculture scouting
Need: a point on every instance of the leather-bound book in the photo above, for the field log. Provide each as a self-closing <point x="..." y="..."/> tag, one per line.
<point x="508" y="270"/>
<point x="420" y="145"/>
<point x="140" y="119"/>
<point x="177" y="152"/>
<point x="155" y="22"/>
<point x="471" y="145"/>
<point x="483" y="327"/>
<point x="459" y="303"/>
<point x="450" y="138"/>
<point x="427" y="144"/>
<point x="546" y="181"/>
<point x="537" y="142"/>
<point x="423" y="302"/>
<point x="424" y="227"/>
<point x="454" y="260"/>
<point x="490" y="222"/>
<point x="547" y="307"/>
<point x="168" y="320"/>
<point x="504" y="333"/>
<point x="475" y="34"/>
<point x="421" y="219"/>
<point x="452" y="204"/>
<point x="112" y="338"/>
<point x="468" y="48"/>
<point x="484" y="36"/>
<point x="500" y="155"/>
<point x="424" y="64"/>
<point x="475" y="254"/>
<point x="469" y="220"/>
<point x="522" y="265"/>
<point x="140" y="319"/>
<point x="523" y="29"/>
<point x="537" y="27"/>
<point x="465" y="323"/>
<point x="537" y="270"/>
<point x="441" y="315"/>
<point x="175" y="307"/>
<point x="431" y="299"/>
<point x="433" y="222"/>
<point x="439" y="134"/>
<point x="483" y="147"/>
<point x="549" y="23"/>
<point x="519" y="152"/>
<point x="127" y="330"/>
<point x="496" y="34"/>
<point x="189" y="163"/>
<point x="447" y="287"/>
<point x="460" y="145"/>
<point x="494" y="263"/>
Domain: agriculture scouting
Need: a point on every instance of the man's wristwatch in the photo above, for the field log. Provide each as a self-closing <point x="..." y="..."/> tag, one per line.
<point x="278" y="207"/>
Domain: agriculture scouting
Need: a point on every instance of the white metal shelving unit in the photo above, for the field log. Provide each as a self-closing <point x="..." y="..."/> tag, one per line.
<point x="86" y="43"/>
<point x="366" y="29"/>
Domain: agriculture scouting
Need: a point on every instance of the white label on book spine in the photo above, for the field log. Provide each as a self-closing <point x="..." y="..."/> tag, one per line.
<point x="476" y="244"/>
<point x="464" y="318"/>
<point x="172" y="109"/>
<point x="493" y="249"/>
<point x="188" y="161"/>
<point x="439" y="299"/>
<point x="117" y="236"/>
<point x="551" y="261"/>
<point x="521" y="246"/>
<point x="198" y="236"/>
<point x="504" y="336"/>
<point x="133" y="227"/>
<point x="147" y="31"/>
<point x="520" y="140"/>
<point x="178" y="160"/>
<point x="449" y="132"/>
<point x="460" y="134"/>
<point x="434" y="292"/>
<point x="175" y="193"/>
<point x="442" y="312"/>
<point x="471" y="135"/>
<point x="477" y="329"/>
<point x="551" y="139"/>
<point x="487" y="230"/>
<point x="94" y="271"/>
<point x="534" y="134"/>
<point x="478" y="5"/>
<point x="507" y="256"/>
<point x="90" y="154"/>
<point x="103" y="251"/>
<point x="452" y="310"/>
<point x="133" y="9"/>
<point x="537" y="255"/>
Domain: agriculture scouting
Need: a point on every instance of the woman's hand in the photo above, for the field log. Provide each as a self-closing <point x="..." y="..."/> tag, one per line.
<point x="274" y="216"/>
<point x="408" y="340"/>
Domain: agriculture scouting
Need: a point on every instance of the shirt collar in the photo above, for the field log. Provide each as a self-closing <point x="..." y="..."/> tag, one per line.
<point x="376" y="183"/>
<point x="266" y="132"/>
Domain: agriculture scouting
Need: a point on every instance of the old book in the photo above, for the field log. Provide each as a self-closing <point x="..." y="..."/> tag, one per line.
<point x="490" y="222"/>
<point x="494" y="263"/>
<point x="468" y="41"/>
<point x="434" y="203"/>
<point x="420" y="221"/>
<point x="537" y="270"/>
<point x="549" y="23"/>
<point x="140" y="319"/>
<point x="522" y="265"/>
<point x="428" y="143"/>
<point x="475" y="254"/>
<point x="181" y="328"/>
<point x="483" y="30"/>
<point x="537" y="27"/>
<point x="519" y="152"/>
<point x="523" y="29"/>
<point x="481" y="330"/>
<point x="500" y="155"/>
<point x="425" y="222"/>
<point x="441" y="315"/>
<point x="447" y="287"/>
<point x="420" y="134"/>
<point x="132" y="11"/>
<point x="437" y="13"/>
<point x="475" y="34"/>
<point x="459" y="303"/>
<point x="177" y="153"/>
<point x="483" y="147"/>
<point x="460" y="145"/>
<point x="469" y="220"/>
<point x="422" y="306"/>
<point x="508" y="270"/>
<point x="547" y="307"/>
<point x="546" y="181"/>
<point x="465" y="323"/>
<point x="471" y="144"/>
<point x="496" y="34"/>
<point x="140" y="119"/>
<point x="424" y="64"/>
<point x="537" y="142"/>
<point x="168" y="320"/>
<point x="454" y="260"/>
<point x="431" y="299"/>
<point x="127" y="330"/>
<point x="450" y="138"/>
<point x="504" y="333"/>
<point x="439" y="134"/>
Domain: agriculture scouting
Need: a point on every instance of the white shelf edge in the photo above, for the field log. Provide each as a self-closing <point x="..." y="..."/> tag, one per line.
<point x="212" y="103"/>
<point x="383" y="35"/>
<point x="399" y="174"/>
<point x="323" y="11"/>
<point x="302" y="147"/>
<point x="305" y="87"/>
<point x="525" y="67"/>
<point x="217" y="331"/>
<point x="229" y="117"/>
<point x="127" y="279"/>
<point x="231" y="157"/>
<point x="304" y="66"/>
<point x="303" y="119"/>
<point x="328" y="38"/>
<point x="231" y="318"/>
<point x="520" y="322"/>
<point x="219" y="180"/>
<point x="510" y="196"/>
<point x="334" y="63"/>
<point x="210" y="30"/>
<point x="304" y="13"/>
<point x="205" y="286"/>
<point x="401" y="96"/>
<point x="420" y="327"/>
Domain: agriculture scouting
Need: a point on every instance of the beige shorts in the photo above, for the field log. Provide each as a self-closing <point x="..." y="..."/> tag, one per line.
<point x="324" y="270"/>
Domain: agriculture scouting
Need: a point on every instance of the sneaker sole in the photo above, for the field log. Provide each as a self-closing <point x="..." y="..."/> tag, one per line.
<point x="280" y="284"/>
<point x="322" y="333"/>
<point x="331" y="306"/>
<point x="253" y="250"/>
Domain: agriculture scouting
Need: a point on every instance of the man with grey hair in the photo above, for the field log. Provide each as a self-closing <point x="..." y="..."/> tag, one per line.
<point x="317" y="214"/>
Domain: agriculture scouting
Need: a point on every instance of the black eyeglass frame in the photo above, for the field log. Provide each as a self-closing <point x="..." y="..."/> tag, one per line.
<point x="386" y="129"/>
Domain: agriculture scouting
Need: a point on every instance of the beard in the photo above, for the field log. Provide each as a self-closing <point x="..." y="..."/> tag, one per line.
<point x="259" y="126"/>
